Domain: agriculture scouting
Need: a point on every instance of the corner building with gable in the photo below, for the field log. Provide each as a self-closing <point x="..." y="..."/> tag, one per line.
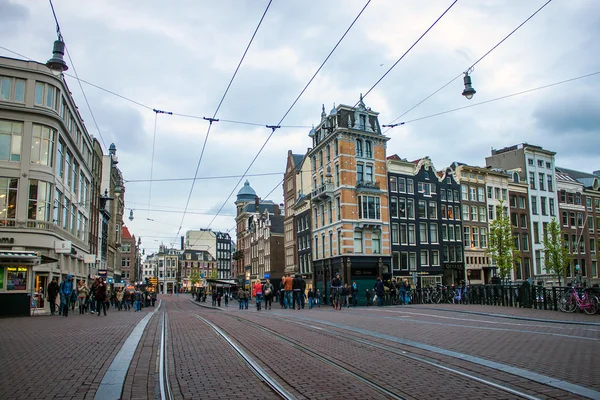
<point x="349" y="199"/>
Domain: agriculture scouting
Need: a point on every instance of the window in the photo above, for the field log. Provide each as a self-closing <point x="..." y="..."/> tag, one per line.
<point x="337" y="175"/>
<point x="565" y="218"/>
<point x="401" y="185"/>
<point x="432" y="210"/>
<point x="16" y="278"/>
<point x="481" y="214"/>
<point x="444" y="232"/>
<point x="530" y="161"/>
<point x="472" y="194"/>
<point x="369" y="173"/>
<point x="538" y="262"/>
<point x="467" y="236"/>
<point x="40" y="201"/>
<point x="422" y="209"/>
<point x="543" y="204"/>
<point x="464" y="192"/>
<point x="369" y="207"/>
<point x="590" y="223"/>
<point x="404" y="261"/>
<point x="525" y="242"/>
<point x="359" y="148"/>
<point x="451" y="234"/>
<point x="368" y="149"/>
<point x="536" y="232"/>
<point x="335" y="148"/>
<point x="523" y="221"/>
<point x="10" y="140"/>
<point x="491" y="210"/>
<point x="376" y="243"/>
<point x="403" y="234"/>
<point x="517" y="241"/>
<point x="316" y="247"/>
<point x="483" y="239"/>
<point x="443" y="194"/>
<point x="465" y="212"/>
<point x="540" y="163"/>
<point x="521" y="202"/>
<point x="541" y="181"/>
<point x="410" y="186"/>
<point x="551" y="207"/>
<point x="328" y="153"/>
<point x="395" y="238"/>
<point x="475" y="237"/>
<point x="46" y="95"/>
<point x="423" y="233"/>
<point x="338" y="208"/>
<point x="480" y="195"/>
<point x="410" y="208"/>
<point x="592" y="246"/>
<point x="444" y="211"/>
<point x="42" y="146"/>
<point x="358" y="245"/>
<point x="12" y="89"/>
<point x="532" y="180"/>
<point x="534" y="207"/>
<point x="433" y="233"/>
<point x="359" y="173"/>
<point x="514" y="220"/>
<point x="457" y="231"/>
<point x="401" y="207"/>
<point x="412" y="261"/>
<point x="411" y="234"/>
<point x="393" y="184"/>
<point x="393" y="207"/>
<point x="424" y="258"/>
<point x="550" y="185"/>
<point x="489" y="192"/>
<point x="473" y="213"/>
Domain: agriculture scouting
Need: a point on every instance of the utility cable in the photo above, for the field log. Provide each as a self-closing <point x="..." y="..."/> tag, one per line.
<point x="213" y="119"/>
<point x="500" y="98"/>
<point x="198" y="178"/>
<point x="470" y="68"/>
<point x="275" y="127"/>
<point x="409" y="49"/>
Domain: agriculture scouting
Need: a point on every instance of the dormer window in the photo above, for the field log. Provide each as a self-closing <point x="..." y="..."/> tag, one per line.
<point x="363" y="122"/>
<point x="426" y="175"/>
<point x="516" y="177"/>
<point x="359" y="148"/>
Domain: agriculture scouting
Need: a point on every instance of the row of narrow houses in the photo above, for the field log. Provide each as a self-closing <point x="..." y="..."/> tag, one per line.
<point x="351" y="208"/>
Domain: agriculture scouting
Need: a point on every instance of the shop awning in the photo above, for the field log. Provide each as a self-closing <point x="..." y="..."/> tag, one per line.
<point x="21" y="256"/>
<point x="47" y="260"/>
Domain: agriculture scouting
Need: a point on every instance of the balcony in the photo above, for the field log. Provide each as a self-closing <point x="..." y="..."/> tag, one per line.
<point x="368" y="186"/>
<point x="322" y="193"/>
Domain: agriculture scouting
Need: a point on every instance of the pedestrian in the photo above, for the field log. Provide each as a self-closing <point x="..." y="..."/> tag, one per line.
<point x="214" y="298"/>
<point x="379" y="292"/>
<point x="82" y="294"/>
<point x="288" y="287"/>
<point x="226" y="299"/>
<point x="218" y="300"/>
<point x="345" y="296"/>
<point x="311" y="298"/>
<point x="268" y="291"/>
<point x="153" y="297"/>
<point x="127" y="300"/>
<point x="368" y="297"/>
<point x="73" y="298"/>
<point x="240" y="297"/>
<point x="100" y="295"/>
<point x="354" y="294"/>
<point x="66" y="291"/>
<point x="120" y="296"/>
<point x="52" y="294"/>
<point x="318" y="298"/>
<point x="138" y="298"/>
<point x="297" y="291"/>
<point x="403" y="292"/>
<point x="393" y="292"/>
<point x="258" y="293"/>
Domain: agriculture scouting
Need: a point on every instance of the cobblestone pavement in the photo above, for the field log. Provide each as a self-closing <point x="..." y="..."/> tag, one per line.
<point x="52" y="357"/>
<point x="397" y="348"/>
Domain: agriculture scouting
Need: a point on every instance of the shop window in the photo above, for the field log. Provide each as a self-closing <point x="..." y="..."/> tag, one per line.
<point x="16" y="278"/>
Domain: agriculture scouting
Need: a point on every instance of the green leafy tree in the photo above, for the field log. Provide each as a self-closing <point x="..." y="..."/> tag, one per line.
<point x="194" y="279"/>
<point x="501" y="246"/>
<point x="556" y="251"/>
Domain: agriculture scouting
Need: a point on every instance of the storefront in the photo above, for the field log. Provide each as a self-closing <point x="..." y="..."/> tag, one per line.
<point x="16" y="284"/>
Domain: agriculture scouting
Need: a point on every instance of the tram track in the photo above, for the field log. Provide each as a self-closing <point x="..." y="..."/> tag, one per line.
<point x="163" y="373"/>
<point x="335" y="364"/>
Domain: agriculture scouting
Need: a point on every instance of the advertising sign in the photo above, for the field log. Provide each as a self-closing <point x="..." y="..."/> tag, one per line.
<point x="89" y="259"/>
<point x="102" y="272"/>
<point x="62" y="246"/>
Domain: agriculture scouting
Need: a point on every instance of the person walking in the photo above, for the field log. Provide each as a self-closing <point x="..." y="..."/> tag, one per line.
<point x="288" y="300"/>
<point x="52" y="294"/>
<point x="100" y="295"/>
<point x="311" y="298"/>
<point x="120" y="296"/>
<point x="127" y="300"/>
<point x="354" y="294"/>
<point x="82" y="295"/>
<point x="336" y="292"/>
<point x="297" y="291"/>
<point x="268" y="291"/>
<point x="258" y="293"/>
<point x="226" y="298"/>
<point x="218" y="300"/>
<point x="318" y="298"/>
<point x="379" y="292"/>
<point x="403" y="292"/>
<point x="240" y="297"/>
<point x="368" y="297"/>
<point x="66" y="291"/>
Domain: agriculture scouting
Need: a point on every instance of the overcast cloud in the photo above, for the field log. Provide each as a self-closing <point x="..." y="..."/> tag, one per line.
<point x="179" y="57"/>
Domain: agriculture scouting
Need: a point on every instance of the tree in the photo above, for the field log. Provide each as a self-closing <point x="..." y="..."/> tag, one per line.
<point x="194" y="279"/>
<point x="501" y="246"/>
<point x="556" y="250"/>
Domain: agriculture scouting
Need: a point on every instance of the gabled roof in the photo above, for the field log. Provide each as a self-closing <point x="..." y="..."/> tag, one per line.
<point x="125" y="234"/>
<point x="297" y="159"/>
<point x="586" y="179"/>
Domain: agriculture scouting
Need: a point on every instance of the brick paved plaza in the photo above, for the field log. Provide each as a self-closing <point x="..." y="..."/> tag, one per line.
<point x="428" y="351"/>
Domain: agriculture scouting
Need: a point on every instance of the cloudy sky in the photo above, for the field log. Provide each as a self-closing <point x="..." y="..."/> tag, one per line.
<point x="179" y="56"/>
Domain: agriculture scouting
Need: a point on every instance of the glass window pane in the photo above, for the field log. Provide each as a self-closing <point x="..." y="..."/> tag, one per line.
<point x="39" y="93"/>
<point x="19" y="90"/>
<point x="5" y="84"/>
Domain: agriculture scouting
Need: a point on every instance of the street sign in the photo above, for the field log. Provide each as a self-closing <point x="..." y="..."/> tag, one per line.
<point x="62" y="246"/>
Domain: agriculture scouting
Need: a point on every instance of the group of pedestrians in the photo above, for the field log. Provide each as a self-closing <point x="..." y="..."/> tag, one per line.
<point x="95" y="299"/>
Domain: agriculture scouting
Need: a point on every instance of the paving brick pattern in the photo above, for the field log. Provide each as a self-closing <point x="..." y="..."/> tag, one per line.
<point x="141" y="382"/>
<point x="566" y="357"/>
<point x="201" y="364"/>
<point x="52" y="357"/>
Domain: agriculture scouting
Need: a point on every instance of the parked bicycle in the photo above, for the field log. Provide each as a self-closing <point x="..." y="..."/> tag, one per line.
<point x="571" y="300"/>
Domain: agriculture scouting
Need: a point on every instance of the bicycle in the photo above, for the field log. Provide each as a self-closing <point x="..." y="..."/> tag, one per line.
<point x="571" y="300"/>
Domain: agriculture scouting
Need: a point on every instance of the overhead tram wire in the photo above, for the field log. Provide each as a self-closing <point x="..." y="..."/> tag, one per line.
<point x="275" y="127"/>
<point x="199" y="178"/>
<point x="502" y="97"/>
<point x="471" y="67"/>
<point x="213" y="118"/>
<point x="77" y="77"/>
<point x="409" y="49"/>
<point x="229" y="121"/>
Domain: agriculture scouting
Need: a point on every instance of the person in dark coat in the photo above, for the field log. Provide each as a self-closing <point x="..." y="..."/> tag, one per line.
<point x="100" y="295"/>
<point x="380" y="292"/>
<point x="52" y="294"/>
